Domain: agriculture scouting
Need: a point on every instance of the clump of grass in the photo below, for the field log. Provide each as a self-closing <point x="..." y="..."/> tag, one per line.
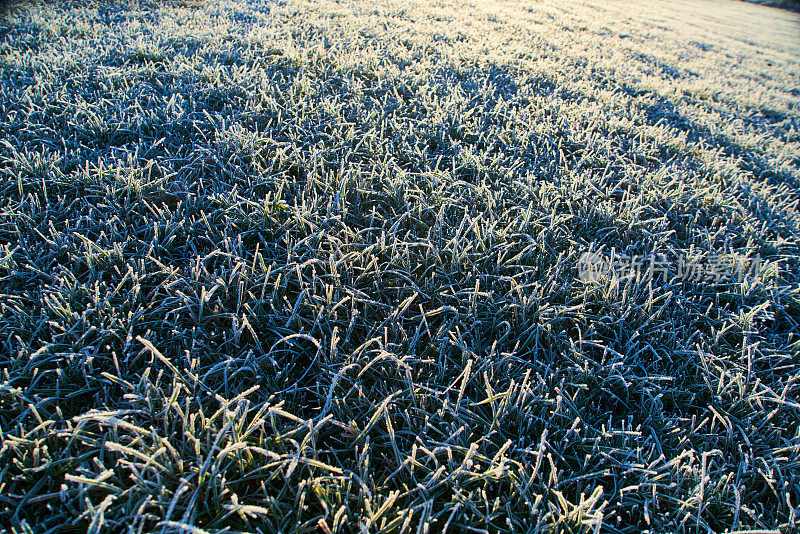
<point x="146" y="54"/>
<point x="275" y="270"/>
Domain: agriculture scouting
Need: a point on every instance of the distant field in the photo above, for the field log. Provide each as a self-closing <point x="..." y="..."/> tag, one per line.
<point x="792" y="5"/>
<point x="317" y="266"/>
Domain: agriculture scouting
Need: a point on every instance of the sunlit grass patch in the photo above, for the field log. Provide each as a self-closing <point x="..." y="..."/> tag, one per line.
<point x="302" y="266"/>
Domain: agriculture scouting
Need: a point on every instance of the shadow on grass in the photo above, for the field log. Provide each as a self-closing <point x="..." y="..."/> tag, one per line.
<point x="749" y="160"/>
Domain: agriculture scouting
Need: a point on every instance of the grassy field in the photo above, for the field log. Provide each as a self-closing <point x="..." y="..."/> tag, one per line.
<point x="315" y="266"/>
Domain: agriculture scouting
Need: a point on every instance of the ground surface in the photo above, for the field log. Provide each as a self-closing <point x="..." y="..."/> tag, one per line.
<point x="313" y="266"/>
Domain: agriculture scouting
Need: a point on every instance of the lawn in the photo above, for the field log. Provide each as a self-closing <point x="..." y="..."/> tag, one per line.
<point x="321" y="266"/>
